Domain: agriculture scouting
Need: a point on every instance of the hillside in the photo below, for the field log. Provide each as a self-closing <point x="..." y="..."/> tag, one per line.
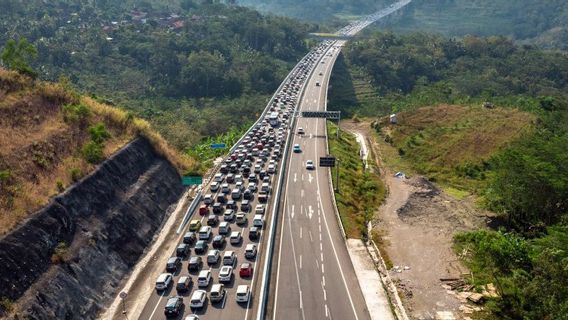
<point x="194" y="69"/>
<point x="318" y="10"/>
<point x="451" y="144"/>
<point x="544" y="23"/>
<point x="51" y="137"/>
<point x="486" y="120"/>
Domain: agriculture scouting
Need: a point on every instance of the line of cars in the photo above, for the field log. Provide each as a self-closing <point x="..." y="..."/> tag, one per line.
<point x="240" y="189"/>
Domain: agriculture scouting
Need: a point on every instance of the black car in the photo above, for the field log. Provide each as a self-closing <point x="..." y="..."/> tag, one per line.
<point x="224" y="169"/>
<point x="217" y="208"/>
<point x="173" y="264"/>
<point x="262" y="173"/>
<point x="231" y="204"/>
<point x="252" y="178"/>
<point x="262" y="198"/>
<point x="183" y="284"/>
<point x="254" y="233"/>
<point x="189" y="238"/>
<point x="212" y="220"/>
<point x="201" y="247"/>
<point x="195" y="264"/>
<point x="248" y="195"/>
<point x="218" y="241"/>
<point x="221" y="198"/>
<point x="174" y="306"/>
<point x="182" y="250"/>
<point x="245" y="205"/>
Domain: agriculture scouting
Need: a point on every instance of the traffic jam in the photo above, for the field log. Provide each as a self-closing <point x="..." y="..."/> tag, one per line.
<point x="215" y="262"/>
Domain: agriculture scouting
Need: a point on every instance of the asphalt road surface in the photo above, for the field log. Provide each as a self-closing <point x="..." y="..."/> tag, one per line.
<point x="314" y="275"/>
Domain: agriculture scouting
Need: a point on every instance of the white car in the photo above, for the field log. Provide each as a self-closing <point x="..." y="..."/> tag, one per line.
<point x="213" y="256"/>
<point x="192" y="317"/>
<point x="204" y="278"/>
<point x="243" y="293"/>
<point x="229" y="215"/>
<point x="214" y="186"/>
<point x="229" y="258"/>
<point x="163" y="282"/>
<point x="205" y="233"/>
<point x="310" y="165"/>
<point x="219" y="177"/>
<point x="236" y="237"/>
<point x="301" y="130"/>
<point x="250" y="251"/>
<point x="226" y="274"/>
<point x="198" y="299"/>
<point x="259" y="209"/>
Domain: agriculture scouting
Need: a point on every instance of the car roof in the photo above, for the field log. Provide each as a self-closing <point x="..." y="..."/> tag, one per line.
<point x="243" y="288"/>
<point x="163" y="276"/>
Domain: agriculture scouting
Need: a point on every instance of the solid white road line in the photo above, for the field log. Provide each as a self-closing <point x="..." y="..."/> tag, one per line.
<point x="157" y="304"/>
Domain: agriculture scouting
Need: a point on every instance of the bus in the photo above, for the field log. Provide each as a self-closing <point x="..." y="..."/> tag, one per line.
<point x="273" y="119"/>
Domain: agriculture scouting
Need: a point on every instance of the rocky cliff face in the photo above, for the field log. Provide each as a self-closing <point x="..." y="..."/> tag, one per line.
<point x="67" y="260"/>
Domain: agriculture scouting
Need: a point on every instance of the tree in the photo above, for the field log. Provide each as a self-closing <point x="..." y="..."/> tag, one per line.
<point x="16" y="56"/>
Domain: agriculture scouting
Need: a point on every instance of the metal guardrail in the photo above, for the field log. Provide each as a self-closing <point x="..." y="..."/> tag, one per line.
<point x="261" y="312"/>
<point x="189" y="211"/>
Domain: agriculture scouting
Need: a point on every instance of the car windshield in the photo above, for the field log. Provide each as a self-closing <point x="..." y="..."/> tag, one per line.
<point x="171" y="303"/>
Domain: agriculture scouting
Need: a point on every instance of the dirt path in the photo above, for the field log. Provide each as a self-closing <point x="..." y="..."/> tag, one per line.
<point x="417" y="222"/>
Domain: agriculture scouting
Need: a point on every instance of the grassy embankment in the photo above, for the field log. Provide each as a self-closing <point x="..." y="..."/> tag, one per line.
<point x="451" y="145"/>
<point x="360" y="192"/>
<point x="51" y="137"/>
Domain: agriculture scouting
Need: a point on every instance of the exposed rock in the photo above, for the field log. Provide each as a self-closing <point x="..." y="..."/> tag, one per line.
<point x="104" y="222"/>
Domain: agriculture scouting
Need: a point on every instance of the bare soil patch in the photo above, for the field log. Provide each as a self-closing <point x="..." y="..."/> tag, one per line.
<point x="417" y="223"/>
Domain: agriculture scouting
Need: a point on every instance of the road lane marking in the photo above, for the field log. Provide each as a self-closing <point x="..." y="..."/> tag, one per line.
<point x="300" y="232"/>
<point x="321" y="247"/>
<point x="310" y="178"/>
<point x="294" y="177"/>
<point x="302" y="192"/>
<point x="300" y="261"/>
<point x="310" y="212"/>
<point x="157" y="304"/>
<point x="296" y="267"/>
<point x="317" y="264"/>
<point x="326" y="311"/>
<point x="311" y="239"/>
<point x="323" y="280"/>
<point x="292" y="213"/>
<point x="322" y="268"/>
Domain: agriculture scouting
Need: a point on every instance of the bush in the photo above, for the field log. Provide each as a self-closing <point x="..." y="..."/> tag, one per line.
<point x="60" y="186"/>
<point x="75" y="113"/>
<point x="59" y="253"/>
<point x="76" y="174"/>
<point x="93" y="152"/>
<point x="99" y="133"/>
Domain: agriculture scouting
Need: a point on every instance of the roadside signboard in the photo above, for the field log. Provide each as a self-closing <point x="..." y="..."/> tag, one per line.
<point x="191" y="180"/>
<point x="332" y="115"/>
<point x="218" y="146"/>
<point x="327" y="161"/>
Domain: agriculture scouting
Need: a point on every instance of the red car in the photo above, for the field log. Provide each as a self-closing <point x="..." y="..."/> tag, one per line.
<point x="246" y="270"/>
<point x="203" y="210"/>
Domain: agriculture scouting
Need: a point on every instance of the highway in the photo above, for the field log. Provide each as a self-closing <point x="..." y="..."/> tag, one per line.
<point x="314" y="276"/>
<point x="287" y="97"/>
<point x="311" y="276"/>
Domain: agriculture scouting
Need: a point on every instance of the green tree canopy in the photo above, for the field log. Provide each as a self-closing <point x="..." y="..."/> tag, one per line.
<point x="17" y="54"/>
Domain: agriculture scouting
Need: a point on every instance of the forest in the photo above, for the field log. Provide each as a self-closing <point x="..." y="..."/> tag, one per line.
<point x="526" y="253"/>
<point x="543" y="23"/>
<point x="194" y="69"/>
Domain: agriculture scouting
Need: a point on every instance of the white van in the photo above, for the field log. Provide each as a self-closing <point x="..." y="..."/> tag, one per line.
<point x="258" y="221"/>
<point x="236" y="194"/>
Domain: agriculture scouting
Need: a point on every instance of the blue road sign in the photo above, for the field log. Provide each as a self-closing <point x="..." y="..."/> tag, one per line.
<point x="218" y="145"/>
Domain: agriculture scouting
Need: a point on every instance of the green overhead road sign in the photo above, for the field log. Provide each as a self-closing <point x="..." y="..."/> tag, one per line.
<point x="191" y="180"/>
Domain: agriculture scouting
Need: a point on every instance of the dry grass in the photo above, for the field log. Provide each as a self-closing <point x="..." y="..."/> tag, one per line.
<point x="137" y="126"/>
<point x="40" y="151"/>
<point x="439" y="140"/>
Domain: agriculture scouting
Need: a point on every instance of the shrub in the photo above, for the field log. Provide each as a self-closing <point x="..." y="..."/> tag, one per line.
<point x="76" y="174"/>
<point x="99" y="133"/>
<point x="93" y="152"/>
<point x="59" y="253"/>
<point x="60" y="186"/>
<point x="76" y="113"/>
